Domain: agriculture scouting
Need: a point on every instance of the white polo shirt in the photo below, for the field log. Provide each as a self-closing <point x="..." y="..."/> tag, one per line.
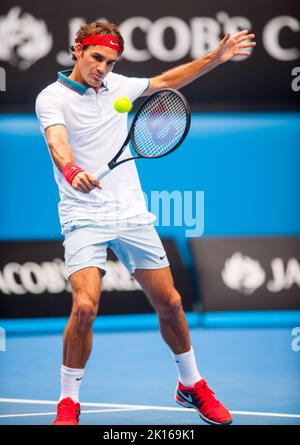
<point x="96" y="131"/>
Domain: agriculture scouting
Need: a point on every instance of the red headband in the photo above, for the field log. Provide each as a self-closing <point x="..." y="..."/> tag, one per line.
<point x="101" y="39"/>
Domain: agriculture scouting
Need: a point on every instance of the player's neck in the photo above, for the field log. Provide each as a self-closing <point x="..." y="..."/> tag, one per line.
<point x="76" y="75"/>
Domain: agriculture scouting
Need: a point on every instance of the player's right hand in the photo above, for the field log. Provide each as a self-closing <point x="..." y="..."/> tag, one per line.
<point x="85" y="182"/>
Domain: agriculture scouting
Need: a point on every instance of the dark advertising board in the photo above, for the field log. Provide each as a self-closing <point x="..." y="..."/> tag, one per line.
<point x="35" y="37"/>
<point x="236" y="274"/>
<point x="33" y="282"/>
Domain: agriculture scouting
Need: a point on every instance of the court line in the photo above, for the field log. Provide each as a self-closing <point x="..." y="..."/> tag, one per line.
<point x="253" y="413"/>
<point x="144" y="407"/>
<point x="2" y="416"/>
<point x="91" y="404"/>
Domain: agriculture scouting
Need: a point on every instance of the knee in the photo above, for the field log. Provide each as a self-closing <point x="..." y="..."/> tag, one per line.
<point x="170" y="306"/>
<point x="85" y="313"/>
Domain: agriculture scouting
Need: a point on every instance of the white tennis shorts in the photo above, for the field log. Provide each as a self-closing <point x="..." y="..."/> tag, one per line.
<point x="137" y="246"/>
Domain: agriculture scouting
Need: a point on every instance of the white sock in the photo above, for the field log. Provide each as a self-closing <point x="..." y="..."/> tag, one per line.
<point x="70" y="380"/>
<point x="187" y="368"/>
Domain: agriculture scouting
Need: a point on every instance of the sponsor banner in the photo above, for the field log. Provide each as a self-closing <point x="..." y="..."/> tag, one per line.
<point x="247" y="273"/>
<point x="36" y="37"/>
<point x="33" y="282"/>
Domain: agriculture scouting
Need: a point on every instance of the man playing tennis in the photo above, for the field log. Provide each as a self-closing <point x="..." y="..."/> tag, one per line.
<point x="83" y="132"/>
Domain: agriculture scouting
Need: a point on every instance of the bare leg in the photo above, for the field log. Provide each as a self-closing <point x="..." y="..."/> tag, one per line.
<point x="159" y="287"/>
<point x="77" y="340"/>
<point x="158" y="284"/>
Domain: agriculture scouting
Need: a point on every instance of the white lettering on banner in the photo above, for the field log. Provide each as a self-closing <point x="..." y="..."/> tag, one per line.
<point x="245" y="274"/>
<point x="64" y="57"/>
<point x="56" y="276"/>
<point x="3" y="285"/>
<point x="24" y="39"/>
<point x="271" y="34"/>
<point x="284" y="279"/>
<point x="33" y="278"/>
<point x="29" y="39"/>
<point x="50" y="277"/>
<point x="205" y="32"/>
<point x="127" y="29"/>
<point x="233" y="24"/>
<point x="10" y="271"/>
<point x="156" y="44"/>
<point x="193" y="38"/>
<point x="2" y="79"/>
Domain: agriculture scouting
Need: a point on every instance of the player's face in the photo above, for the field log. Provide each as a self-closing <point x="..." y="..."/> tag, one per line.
<point x="95" y="63"/>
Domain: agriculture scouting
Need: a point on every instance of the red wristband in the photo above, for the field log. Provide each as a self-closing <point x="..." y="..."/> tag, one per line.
<point x="71" y="170"/>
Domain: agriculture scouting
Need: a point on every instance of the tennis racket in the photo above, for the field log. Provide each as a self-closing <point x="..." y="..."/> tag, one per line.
<point x="159" y="126"/>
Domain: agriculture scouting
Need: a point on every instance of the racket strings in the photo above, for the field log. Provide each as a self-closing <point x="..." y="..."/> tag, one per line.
<point x="161" y="124"/>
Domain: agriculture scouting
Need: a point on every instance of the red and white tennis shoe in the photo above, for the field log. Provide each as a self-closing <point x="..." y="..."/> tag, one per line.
<point x="201" y="398"/>
<point x="68" y="412"/>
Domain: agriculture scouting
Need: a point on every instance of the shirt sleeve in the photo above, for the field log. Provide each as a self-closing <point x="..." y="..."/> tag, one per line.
<point x="135" y="87"/>
<point x="49" y="110"/>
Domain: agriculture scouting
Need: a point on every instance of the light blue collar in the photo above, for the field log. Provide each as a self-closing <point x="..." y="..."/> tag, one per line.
<point x="63" y="77"/>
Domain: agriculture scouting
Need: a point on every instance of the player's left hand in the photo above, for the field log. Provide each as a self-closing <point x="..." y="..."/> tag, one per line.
<point x="234" y="45"/>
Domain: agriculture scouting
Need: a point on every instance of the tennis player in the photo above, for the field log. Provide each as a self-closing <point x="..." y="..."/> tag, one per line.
<point x="83" y="131"/>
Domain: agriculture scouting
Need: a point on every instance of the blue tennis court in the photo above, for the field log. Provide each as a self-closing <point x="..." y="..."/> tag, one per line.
<point x="131" y="378"/>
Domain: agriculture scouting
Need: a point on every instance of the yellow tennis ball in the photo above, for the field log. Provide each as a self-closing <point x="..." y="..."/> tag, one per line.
<point x="123" y="105"/>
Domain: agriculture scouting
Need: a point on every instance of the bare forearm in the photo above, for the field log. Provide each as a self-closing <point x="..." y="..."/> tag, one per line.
<point x="57" y="140"/>
<point x="61" y="154"/>
<point x="229" y="47"/>
<point x="184" y="74"/>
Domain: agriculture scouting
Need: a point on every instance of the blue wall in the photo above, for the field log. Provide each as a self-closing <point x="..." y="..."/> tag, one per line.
<point x="247" y="164"/>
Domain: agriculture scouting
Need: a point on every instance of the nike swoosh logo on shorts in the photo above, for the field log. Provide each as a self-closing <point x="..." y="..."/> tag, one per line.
<point x="187" y="398"/>
<point x="162" y="257"/>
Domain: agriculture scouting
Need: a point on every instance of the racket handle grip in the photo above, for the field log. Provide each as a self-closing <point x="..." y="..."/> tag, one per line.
<point x="103" y="171"/>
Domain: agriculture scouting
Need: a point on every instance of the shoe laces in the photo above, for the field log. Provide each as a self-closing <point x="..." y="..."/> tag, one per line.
<point x="204" y="394"/>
